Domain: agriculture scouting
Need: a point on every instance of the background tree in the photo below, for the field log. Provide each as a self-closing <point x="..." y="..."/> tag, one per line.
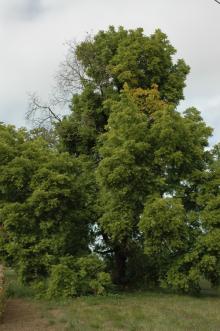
<point x="46" y="200"/>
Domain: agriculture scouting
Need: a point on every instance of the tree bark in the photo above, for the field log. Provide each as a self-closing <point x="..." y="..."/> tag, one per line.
<point x="119" y="277"/>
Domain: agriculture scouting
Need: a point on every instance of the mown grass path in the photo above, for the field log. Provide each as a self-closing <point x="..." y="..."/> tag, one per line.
<point x="24" y="315"/>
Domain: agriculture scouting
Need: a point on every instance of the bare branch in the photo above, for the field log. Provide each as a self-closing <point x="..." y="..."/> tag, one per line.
<point x="217" y="1"/>
<point x="39" y="114"/>
<point x="71" y="77"/>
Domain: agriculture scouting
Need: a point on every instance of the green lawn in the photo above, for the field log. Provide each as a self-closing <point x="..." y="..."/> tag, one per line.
<point x="134" y="312"/>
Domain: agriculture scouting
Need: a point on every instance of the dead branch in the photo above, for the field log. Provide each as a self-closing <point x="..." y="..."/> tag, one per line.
<point x="71" y="77"/>
<point x="39" y="114"/>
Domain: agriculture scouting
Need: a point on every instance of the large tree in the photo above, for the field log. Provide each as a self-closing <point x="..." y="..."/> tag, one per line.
<point x="124" y="117"/>
<point x="124" y="165"/>
<point x="149" y="151"/>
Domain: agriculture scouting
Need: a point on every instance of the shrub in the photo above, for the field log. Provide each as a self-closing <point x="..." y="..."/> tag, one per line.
<point x="62" y="283"/>
<point x="80" y="276"/>
<point x="101" y="284"/>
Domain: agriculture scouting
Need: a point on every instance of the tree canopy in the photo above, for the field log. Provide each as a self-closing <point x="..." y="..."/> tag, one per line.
<point x="124" y="188"/>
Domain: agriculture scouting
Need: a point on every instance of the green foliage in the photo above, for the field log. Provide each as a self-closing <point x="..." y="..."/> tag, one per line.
<point x="48" y="215"/>
<point x="118" y="57"/>
<point x="163" y="223"/>
<point x="123" y="168"/>
<point x="128" y="56"/>
<point x="62" y="282"/>
<point x="188" y="250"/>
<point x="182" y="278"/>
<point x="147" y="153"/>
<point x="74" y="277"/>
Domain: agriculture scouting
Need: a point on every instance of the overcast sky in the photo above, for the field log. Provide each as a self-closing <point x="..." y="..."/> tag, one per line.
<point x="33" y="34"/>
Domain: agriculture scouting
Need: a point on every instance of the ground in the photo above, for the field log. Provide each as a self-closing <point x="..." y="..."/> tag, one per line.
<point x="24" y="315"/>
<point x="146" y="311"/>
<point x="137" y="311"/>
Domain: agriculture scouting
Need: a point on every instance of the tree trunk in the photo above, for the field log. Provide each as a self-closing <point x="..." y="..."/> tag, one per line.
<point x="119" y="276"/>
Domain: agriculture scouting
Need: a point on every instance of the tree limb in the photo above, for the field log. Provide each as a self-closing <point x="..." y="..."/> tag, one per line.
<point x="40" y="114"/>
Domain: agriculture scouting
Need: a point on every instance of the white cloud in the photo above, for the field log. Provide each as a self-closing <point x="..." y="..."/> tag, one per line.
<point x="32" y="33"/>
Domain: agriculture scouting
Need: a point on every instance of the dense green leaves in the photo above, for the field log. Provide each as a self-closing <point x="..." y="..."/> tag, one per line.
<point x="73" y="277"/>
<point x="164" y="225"/>
<point x="149" y="153"/>
<point x="104" y="64"/>
<point x="122" y="56"/>
<point x="45" y="213"/>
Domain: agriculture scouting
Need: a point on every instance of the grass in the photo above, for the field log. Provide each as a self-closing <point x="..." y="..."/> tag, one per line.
<point x="138" y="311"/>
<point x="130" y="312"/>
<point x="15" y="289"/>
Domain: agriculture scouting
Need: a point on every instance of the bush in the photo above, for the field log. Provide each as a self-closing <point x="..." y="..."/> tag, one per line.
<point x="75" y="277"/>
<point x="62" y="283"/>
<point x="184" y="276"/>
<point x="101" y="284"/>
